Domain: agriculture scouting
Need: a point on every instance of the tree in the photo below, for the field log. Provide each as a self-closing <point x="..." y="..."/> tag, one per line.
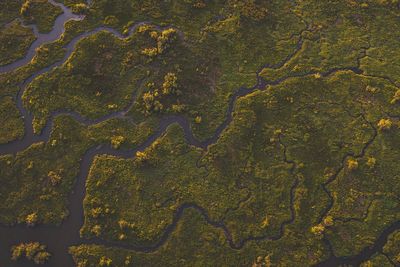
<point x="116" y="141"/>
<point x="371" y="162"/>
<point x="54" y="178"/>
<point x="25" y="7"/>
<point x="31" y="219"/>
<point x="352" y="164"/>
<point x="33" y="251"/>
<point x="170" y="83"/>
<point x="385" y="124"/>
<point x="104" y="261"/>
<point x="41" y="257"/>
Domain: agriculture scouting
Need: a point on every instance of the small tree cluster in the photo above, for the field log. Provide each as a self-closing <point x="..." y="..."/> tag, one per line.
<point x="31" y="219"/>
<point x="124" y="226"/>
<point x="25" y="8"/>
<point x="263" y="261"/>
<point x="152" y="100"/>
<point x="170" y="84"/>
<point x="116" y="141"/>
<point x="104" y="261"/>
<point x="141" y="157"/>
<point x="96" y="230"/>
<point x="54" y="177"/>
<point x="163" y="40"/>
<point x="352" y="164"/>
<point x="385" y="124"/>
<point x="33" y="251"/>
<point x="319" y="229"/>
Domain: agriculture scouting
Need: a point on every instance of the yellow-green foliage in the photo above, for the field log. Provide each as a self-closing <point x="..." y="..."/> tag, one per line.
<point x="385" y="124"/>
<point x="33" y="251"/>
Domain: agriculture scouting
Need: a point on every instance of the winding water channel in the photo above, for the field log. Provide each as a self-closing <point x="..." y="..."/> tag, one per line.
<point x="60" y="238"/>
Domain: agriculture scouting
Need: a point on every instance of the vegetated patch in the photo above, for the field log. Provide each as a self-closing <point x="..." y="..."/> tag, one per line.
<point x="40" y="12"/>
<point x="11" y="121"/>
<point x="38" y="180"/>
<point x="15" y="40"/>
<point x="9" y="10"/>
<point x="33" y="251"/>
<point x="307" y="161"/>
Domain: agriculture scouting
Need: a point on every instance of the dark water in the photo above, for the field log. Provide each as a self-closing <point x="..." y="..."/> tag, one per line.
<point x="60" y="238"/>
<point x="56" y="32"/>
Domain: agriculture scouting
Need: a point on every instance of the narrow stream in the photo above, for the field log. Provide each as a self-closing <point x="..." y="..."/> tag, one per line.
<point x="42" y="38"/>
<point x="60" y="238"/>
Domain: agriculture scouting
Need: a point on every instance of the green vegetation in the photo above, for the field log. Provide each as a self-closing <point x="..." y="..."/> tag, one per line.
<point x="89" y="82"/>
<point x="209" y="69"/>
<point x="38" y="180"/>
<point x="12" y="124"/>
<point x="366" y="199"/>
<point x="197" y="243"/>
<point x="392" y="247"/>
<point x="33" y="251"/>
<point x="126" y="215"/>
<point x="305" y="168"/>
<point x="194" y="243"/>
<point x="377" y="260"/>
<point x="40" y="12"/>
<point x="15" y="39"/>
<point x="250" y="170"/>
<point x="9" y="10"/>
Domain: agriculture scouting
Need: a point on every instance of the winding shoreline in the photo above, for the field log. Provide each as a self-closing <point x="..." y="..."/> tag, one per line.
<point x="43" y="38"/>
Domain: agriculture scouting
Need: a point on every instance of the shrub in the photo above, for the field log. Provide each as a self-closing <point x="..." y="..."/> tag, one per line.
<point x="116" y="141"/>
<point x="385" y="124"/>
<point x="352" y="164"/>
<point x="31" y="219"/>
<point x="54" y="178"/>
<point x="33" y="251"/>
